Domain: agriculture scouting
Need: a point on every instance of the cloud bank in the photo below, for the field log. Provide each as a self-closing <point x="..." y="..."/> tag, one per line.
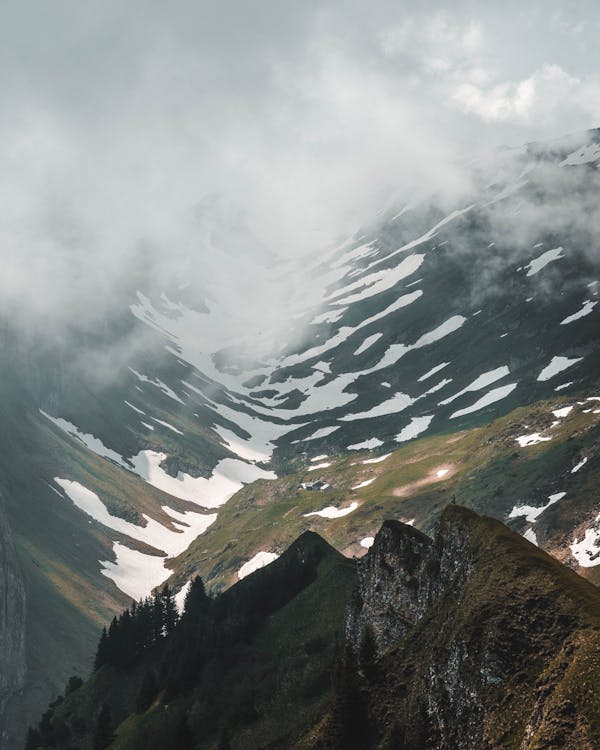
<point x="121" y="122"/>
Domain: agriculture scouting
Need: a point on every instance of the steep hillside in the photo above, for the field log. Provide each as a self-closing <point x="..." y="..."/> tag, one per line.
<point x="240" y="666"/>
<point x="471" y="639"/>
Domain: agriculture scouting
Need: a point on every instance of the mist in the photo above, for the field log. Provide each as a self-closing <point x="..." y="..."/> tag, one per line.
<point x="146" y="145"/>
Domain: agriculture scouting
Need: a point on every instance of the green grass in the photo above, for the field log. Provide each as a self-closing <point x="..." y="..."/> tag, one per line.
<point x="267" y="690"/>
<point x="489" y="473"/>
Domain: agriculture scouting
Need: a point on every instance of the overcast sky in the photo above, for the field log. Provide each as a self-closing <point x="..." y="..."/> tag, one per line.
<point x="116" y="118"/>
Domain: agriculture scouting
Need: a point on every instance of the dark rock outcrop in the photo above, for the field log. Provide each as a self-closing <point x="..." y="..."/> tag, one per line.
<point x="480" y="640"/>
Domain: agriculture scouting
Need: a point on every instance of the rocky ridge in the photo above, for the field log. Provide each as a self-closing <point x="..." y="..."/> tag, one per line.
<point x="482" y="641"/>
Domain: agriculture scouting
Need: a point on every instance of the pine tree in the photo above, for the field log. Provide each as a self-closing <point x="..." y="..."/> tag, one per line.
<point x="157" y="617"/>
<point x="196" y="598"/>
<point x="169" y="610"/>
<point x="101" y="652"/>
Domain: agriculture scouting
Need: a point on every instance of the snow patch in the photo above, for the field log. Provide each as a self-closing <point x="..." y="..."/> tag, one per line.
<point x="180" y="596"/>
<point x="496" y="394"/>
<point x="157" y="384"/>
<point x="135" y="573"/>
<point x="366" y="444"/>
<point x="323" y="432"/>
<point x="586" y="309"/>
<point x="93" y="443"/>
<point x="366" y="483"/>
<point x="332" y="512"/>
<point x="397" y="403"/>
<point x="485" y="379"/>
<point x="587" y="551"/>
<point x="131" y="406"/>
<point x="228" y="476"/>
<point x="531" y="537"/>
<point x="542" y="260"/>
<point x="368" y="342"/>
<point x="580" y="465"/>
<point x="260" y="560"/>
<point x="433" y="371"/>
<point x="564" y="411"/>
<point x="532" y="513"/>
<point x="557" y="364"/>
<point x="526" y="440"/>
<point x="167" y="425"/>
<point x="416" y="426"/>
<point x="377" y="460"/>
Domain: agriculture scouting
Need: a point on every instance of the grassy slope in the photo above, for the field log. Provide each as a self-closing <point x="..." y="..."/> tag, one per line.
<point x="487" y="470"/>
<point x="286" y="667"/>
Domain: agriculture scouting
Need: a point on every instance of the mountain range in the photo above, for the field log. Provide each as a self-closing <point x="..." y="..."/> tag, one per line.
<point x="447" y="349"/>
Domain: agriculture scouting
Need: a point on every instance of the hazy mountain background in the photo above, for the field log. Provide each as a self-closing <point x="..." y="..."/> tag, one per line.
<point x="237" y="239"/>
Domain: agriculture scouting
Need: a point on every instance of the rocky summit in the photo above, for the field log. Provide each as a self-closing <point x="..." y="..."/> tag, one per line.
<point x="473" y="639"/>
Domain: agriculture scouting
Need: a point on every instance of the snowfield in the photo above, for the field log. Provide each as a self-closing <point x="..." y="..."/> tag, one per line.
<point x="167" y="541"/>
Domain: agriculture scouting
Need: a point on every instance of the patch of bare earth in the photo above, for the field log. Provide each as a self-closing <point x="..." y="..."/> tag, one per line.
<point x="438" y="474"/>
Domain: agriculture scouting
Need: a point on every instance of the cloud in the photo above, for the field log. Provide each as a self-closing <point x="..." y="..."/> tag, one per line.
<point x="118" y="121"/>
<point x="546" y="95"/>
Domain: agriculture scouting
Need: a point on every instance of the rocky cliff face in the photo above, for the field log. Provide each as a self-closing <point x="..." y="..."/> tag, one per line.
<point x="12" y="628"/>
<point x="481" y="641"/>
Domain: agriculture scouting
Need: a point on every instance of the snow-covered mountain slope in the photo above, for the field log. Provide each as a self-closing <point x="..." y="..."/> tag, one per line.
<point x="427" y="321"/>
<point x="122" y="444"/>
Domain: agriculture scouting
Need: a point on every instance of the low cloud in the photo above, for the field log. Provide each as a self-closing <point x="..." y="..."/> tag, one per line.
<point x="120" y="125"/>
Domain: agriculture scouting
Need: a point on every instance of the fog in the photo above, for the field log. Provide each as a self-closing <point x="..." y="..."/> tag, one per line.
<point x="146" y="143"/>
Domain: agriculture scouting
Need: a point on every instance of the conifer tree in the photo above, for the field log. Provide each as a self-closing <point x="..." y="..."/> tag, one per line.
<point x="101" y="652"/>
<point x="169" y="610"/>
<point x="196" y="598"/>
